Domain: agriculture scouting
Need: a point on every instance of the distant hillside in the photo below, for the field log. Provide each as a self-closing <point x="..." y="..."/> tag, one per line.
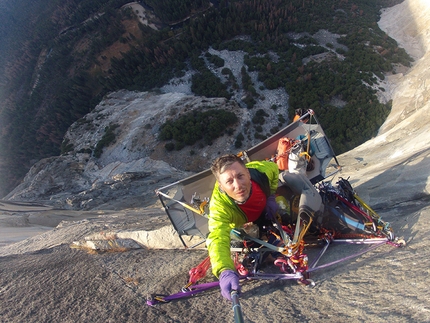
<point x="60" y="59"/>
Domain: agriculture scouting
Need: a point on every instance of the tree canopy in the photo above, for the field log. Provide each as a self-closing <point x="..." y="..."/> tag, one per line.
<point x="196" y="126"/>
<point x="56" y="62"/>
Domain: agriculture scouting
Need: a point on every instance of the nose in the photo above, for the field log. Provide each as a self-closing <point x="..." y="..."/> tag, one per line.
<point x="237" y="184"/>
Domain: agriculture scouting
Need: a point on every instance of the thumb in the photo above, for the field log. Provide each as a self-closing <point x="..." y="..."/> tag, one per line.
<point x="235" y="284"/>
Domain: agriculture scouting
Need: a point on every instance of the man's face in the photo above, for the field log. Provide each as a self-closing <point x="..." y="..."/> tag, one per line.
<point x="236" y="182"/>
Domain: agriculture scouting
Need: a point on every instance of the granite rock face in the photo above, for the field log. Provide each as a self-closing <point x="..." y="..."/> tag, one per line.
<point x="391" y="168"/>
<point x="131" y="167"/>
<point x="390" y="172"/>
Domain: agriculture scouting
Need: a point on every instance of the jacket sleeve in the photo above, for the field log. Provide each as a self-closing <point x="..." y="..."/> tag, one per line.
<point x="221" y="221"/>
<point x="270" y="169"/>
<point x="273" y="175"/>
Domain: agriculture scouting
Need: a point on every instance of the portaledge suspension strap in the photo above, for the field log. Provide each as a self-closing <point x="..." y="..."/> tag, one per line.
<point x="154" y="299"/>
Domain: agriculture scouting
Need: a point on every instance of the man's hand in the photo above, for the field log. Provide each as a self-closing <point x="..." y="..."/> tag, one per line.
<point x="228" y="281"/>
<point x="271" y="207"/>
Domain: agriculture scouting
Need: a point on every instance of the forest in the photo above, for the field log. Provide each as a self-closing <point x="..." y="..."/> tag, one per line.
<point x="55" y="66"/>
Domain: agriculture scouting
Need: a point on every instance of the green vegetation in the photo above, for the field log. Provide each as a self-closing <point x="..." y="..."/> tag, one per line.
<point x="208" y="85"/>
<point x="172" y="11"/>
<point x="56" y="63"/>
<point x="66" y="146"/>
<point x="195" y="126"/>
<point x="215" y="60"/>
<point x="259" y="116"/>
<point x="239" y="140"/>
<point x="108" y="138"/>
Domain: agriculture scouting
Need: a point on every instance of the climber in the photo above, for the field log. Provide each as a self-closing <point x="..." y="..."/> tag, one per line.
<point x="243" y="193"/>
<point x="298" y="114"/>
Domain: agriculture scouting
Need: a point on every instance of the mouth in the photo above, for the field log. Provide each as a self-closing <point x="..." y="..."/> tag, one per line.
<point x="241" y="195"/>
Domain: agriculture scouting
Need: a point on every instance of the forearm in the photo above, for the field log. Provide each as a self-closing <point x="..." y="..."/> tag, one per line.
<point x="218" y="244"/>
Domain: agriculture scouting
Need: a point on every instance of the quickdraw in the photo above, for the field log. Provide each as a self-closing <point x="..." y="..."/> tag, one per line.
<point x="198" y="273"/>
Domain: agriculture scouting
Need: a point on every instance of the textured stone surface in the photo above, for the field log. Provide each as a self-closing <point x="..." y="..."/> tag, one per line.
<point x="43" y="279"/>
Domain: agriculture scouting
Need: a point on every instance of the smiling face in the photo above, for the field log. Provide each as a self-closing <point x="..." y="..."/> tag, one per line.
<point x="235" y="180"/>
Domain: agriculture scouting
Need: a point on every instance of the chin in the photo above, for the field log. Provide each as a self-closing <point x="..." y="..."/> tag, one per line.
<point x="242" y="198"/>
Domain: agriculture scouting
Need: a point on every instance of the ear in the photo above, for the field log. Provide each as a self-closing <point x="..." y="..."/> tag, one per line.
<point x="220" y="187"/>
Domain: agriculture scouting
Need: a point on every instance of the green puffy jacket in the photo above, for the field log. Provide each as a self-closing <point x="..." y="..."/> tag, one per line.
<point x="225" y="214"/>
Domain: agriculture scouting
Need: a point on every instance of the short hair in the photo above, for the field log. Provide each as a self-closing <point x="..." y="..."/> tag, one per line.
<point x="299" y="112"/>
<point x="221" y="163"/>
